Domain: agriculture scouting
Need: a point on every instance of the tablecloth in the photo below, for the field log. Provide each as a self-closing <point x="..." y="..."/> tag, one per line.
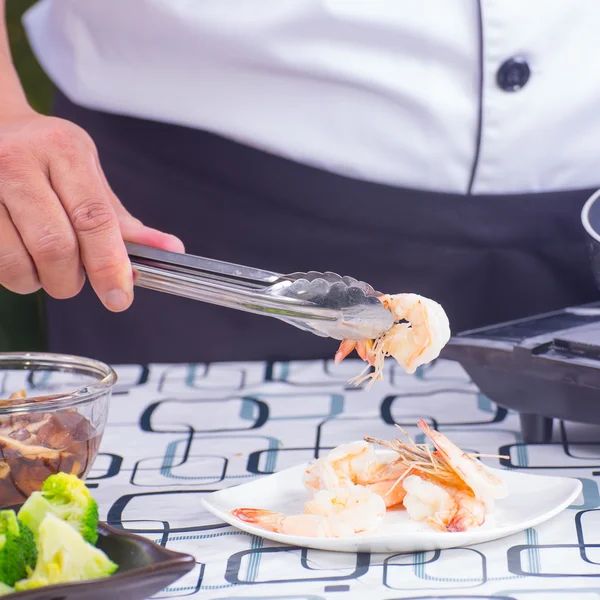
<point x="177" y="432"/>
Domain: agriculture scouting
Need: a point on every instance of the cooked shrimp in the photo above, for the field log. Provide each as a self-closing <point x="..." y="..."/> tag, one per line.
<point x="330" y="513"/>
<point x="415" y="341"/>
<point x="485" y="485"/>
<point x="352" y="486"/>
<point x="470" y="511"/>
<point x="442" y="507"/>
<point x="344" y="465"/>
<point x="357" y="464"/>
<point x="428" y="502"/>
<point x="448" y="488"/>
<point x="390" y="487"/>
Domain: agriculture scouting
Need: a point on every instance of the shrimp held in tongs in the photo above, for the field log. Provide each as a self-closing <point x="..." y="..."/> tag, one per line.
<point x="330" y="513"/>
<point x="421" y="331"/>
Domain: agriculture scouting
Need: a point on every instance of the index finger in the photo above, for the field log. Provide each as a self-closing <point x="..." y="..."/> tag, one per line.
<point x="82" y="193"/>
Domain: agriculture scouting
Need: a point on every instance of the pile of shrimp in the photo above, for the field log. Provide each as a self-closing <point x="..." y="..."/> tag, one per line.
<point x="351" y="488"/>
<point x="420" y="332"/>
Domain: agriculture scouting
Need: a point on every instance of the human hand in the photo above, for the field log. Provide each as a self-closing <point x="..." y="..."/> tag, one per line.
<point x="59" y="218"/>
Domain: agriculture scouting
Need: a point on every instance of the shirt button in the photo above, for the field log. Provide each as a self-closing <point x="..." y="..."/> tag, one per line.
<point x="513" y="74"/>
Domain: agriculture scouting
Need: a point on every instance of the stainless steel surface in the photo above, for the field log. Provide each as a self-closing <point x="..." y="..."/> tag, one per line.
<point x="325" y="304"/>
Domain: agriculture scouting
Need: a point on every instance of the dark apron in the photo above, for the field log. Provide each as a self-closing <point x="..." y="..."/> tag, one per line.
<point x="486" y="259"/>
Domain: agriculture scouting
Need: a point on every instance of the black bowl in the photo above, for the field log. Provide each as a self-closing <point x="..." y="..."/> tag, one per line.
<point x="145" y="568"/>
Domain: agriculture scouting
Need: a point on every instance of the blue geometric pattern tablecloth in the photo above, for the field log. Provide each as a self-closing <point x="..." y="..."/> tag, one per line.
<point x="176" y="432"/>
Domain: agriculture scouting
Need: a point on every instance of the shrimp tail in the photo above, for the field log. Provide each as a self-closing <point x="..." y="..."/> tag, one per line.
<point x="460" y="522"/>
<point x="363" y="349"/>
<point x="438" y="521"/>
<point x="345" y="348"/>
<point x="266" y="519"/>
<point x="470" y="513"/>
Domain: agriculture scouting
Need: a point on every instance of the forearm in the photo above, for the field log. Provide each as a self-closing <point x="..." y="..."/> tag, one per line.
<point x="12" y="96"/>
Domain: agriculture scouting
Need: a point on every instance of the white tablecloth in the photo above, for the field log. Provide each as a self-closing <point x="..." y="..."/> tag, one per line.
<point x="176" y="432"/>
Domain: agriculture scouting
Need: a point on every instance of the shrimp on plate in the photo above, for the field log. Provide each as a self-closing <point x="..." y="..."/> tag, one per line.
<point x="357" y="464"/>
<point x="471" y="472"/>
<point x="344" y="465"/>
<point x="351" y="488"/>
<point x="448" y="489"/>
<point x="442" y="507"/>
<point x="329" y="513"/>
<point x="421" y="331"/>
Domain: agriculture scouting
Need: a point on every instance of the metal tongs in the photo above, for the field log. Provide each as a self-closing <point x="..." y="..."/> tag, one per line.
<point x="325" y="304"/>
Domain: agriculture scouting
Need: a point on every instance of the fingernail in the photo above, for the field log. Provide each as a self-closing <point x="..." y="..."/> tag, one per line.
<point x="116" y="300"/>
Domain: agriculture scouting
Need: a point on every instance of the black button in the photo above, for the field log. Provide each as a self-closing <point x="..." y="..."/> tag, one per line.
<point x="513" y="74"/>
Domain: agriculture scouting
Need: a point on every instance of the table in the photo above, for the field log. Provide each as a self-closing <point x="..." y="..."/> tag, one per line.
<point x="176" y="432"/>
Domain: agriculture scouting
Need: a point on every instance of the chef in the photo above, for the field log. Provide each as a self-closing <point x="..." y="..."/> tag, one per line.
<point x="442" y="148"/>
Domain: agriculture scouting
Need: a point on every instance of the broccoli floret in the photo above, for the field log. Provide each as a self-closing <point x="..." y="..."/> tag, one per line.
<point x="64" y="556"/>
<point x="6" y="589"/>
<point x="17" y="548"/>
<point x="67" y="497"/>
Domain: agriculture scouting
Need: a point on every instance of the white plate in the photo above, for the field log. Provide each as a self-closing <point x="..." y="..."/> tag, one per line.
<point x="532" y="499"/>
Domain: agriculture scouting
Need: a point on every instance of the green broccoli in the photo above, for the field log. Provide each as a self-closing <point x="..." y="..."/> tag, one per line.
<point x="64" y="556"/>
<point x="17" y="548"/>
<point x="6" y="589"/>
<point x="67" y="497"/>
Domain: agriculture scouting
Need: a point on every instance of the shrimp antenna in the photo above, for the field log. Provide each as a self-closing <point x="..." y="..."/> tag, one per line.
<point x="406" y="435"/>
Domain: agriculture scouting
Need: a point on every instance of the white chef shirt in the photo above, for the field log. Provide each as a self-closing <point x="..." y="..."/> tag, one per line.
<point x="400" y="92"/>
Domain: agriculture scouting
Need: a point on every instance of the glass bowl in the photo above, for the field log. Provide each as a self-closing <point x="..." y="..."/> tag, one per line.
<point x="54" y="422"/>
